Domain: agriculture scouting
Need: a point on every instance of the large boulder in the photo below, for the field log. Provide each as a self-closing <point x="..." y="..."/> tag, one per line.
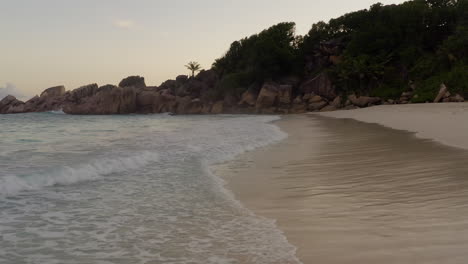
<point x="319" y="85"/>
<point x="317" y="106"/>
<point x="328" y="108"/>
<point x="186" y="105"/>
<point x="11" y="105"/>
<point x="457" y="99"/>
<point x="145" y="101"/>
<point x="285" y="94"/>
<point x="248" y="98"/>
<point x="7" y="100"/>
<point x="133" y="81"/>
<point x="43" y="104"/>
<point x="442" y="92"/>
<point x="217" y="108"/>
<point x="274" y="95"/>
<point x="315" y="99"/>
<point x="82" y="92"/>
<point x="298" y="106"/>
<point x="209" y="77"/>
<point x="364" y="101"/>
<point x="50" y="99"/>
<point x="193" y="88"/>
<point x="268" y="96"/>
<point x="182" y="79"/>
<point x="197" y="107"/>
<point x="167" y="103"/>
<point x="171" y="85"/>
<point x="54" y="91"/>
<point x="337" y="102"/>
<point x="109" y="99"/>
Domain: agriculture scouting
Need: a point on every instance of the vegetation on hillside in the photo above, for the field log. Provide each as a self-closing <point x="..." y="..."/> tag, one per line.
<point x="380" y="51"/>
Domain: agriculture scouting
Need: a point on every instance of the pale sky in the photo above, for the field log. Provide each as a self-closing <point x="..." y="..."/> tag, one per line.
<point x="46" y="43"/>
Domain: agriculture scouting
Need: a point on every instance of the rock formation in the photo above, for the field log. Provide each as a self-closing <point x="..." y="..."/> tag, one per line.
<point x="320" y="85"/>
<point x="442" y="92"/>
<point x="198" y="95"/>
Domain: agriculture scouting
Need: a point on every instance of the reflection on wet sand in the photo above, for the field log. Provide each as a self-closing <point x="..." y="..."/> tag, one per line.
<point x="349" y="192"/>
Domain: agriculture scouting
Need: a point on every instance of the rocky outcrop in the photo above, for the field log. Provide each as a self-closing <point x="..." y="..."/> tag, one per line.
<point x="268" y="96"/>
<point x="54" y="91"/>
<point x="200" y="95"/>
<point x="406" y="97"/>
<point x="337" y="102"/>
<point x="193" y="88"/>
<point x="364" y="101"/>
<point x="182" y="79"/>
<point x="248" y="98"/>
<point x="11" y="105"/>
<point x="208" y="77"/>
<point x="320" y="85"/>
<point x="285" y="95"/>
<point x="133" y="81"/>
<point x="145" y="101"/>
<point x="273" y="97"/>
<point x="442" y="92"/>
<point x="298" y="105"/>
<point x="315" y="99"/>
<point x="218" y="108"/>
<point x="328" y="108"/>
<point x="457" y="99"/>
<point x="83" y="92"/>
<point x="317" y="106"/>
<point x="50" y="99"/>
<point x="108" y="99"/>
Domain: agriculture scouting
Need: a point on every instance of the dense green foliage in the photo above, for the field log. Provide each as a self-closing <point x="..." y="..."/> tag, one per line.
<point x="382" y="51"/>
<point x="271" y="53"/>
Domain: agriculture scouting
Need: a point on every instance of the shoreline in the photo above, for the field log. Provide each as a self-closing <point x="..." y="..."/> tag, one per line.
<point x="308" y="183"/>
<point x="444" y="123"/>
<point x="236" y="176"/>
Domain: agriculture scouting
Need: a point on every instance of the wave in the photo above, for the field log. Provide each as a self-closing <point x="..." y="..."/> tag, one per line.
<point x="214" y="141"/>
<point x="12" y="184"/>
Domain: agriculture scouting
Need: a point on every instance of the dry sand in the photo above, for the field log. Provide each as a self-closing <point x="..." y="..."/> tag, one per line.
<point x="445" y="123"/>
<point x="344" y="191"/>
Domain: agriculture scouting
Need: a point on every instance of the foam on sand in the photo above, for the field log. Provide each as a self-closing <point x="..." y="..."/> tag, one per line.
<point x="444" y="123"/>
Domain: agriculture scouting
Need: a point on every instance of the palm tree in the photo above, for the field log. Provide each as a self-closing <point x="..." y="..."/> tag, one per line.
<point x="194" y="67"/>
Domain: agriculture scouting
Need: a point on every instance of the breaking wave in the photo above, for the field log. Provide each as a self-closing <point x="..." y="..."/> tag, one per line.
<point x="12" y="184"/>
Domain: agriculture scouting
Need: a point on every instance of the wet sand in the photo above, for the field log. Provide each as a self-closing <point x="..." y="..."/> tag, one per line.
<point x="444" y="123"/>
<point x="344" y="191"/>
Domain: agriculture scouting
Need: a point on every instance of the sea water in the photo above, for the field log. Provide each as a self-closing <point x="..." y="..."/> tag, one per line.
<point x="130" y="189"/>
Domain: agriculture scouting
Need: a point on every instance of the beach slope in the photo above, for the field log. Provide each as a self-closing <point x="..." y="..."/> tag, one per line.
<point x="445" y="123"/>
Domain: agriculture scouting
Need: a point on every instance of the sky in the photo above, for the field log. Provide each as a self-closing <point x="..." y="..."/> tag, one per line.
<point x="67" y="42"/>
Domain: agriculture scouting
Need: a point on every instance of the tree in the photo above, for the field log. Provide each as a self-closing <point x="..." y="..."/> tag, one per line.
<point x="268" y="54"/>
<point x="193" y="67"/>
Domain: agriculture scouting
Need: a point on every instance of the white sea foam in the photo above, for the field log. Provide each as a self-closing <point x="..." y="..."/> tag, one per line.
<point x="57" y="112"/>
<point x="212" y="141"/>
<point x="12" y="184"/>
<point x="171" y="211"/>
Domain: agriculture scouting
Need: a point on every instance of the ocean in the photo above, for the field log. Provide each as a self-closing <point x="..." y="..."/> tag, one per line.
<point x="130" y="189"/>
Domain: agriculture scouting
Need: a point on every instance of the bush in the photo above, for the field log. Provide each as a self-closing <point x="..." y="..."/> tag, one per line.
<point x="235" y="83"/>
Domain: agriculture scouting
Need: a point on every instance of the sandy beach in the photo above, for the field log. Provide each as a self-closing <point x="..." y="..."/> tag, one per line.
<point x="444" y="123"/>
<point x="345" y="191"/>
